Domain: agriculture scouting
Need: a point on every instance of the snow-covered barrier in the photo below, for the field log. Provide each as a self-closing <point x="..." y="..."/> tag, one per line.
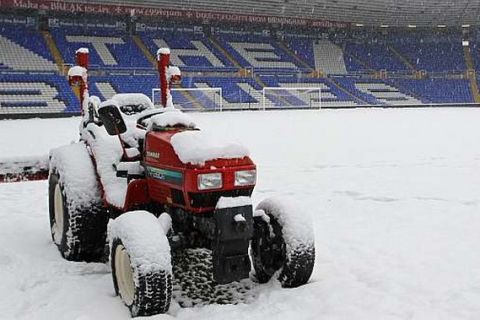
<point x="23" y="169"/>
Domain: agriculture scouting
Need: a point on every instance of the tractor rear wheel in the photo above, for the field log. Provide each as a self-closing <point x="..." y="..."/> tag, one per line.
<point x="282" y="245"/>
<point x="78" y="223"/>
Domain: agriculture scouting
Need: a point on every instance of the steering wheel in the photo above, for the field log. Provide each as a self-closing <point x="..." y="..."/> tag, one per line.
<point x="148" y="114"/>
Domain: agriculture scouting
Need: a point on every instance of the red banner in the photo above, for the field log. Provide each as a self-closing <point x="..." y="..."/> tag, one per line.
<point x="75" y="7"/>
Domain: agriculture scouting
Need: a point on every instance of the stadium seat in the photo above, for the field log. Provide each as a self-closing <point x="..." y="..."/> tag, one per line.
<point x="23" y="48"/>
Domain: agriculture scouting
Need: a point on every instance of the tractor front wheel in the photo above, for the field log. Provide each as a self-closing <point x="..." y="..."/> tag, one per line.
<point x="141" y="263"/>
<point x="282" y="244"/>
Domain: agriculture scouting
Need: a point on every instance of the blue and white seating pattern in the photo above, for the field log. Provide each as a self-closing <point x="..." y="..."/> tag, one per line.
<point x="30" y="80"/>
<point x="108" y="48"/>
<point x="23" y="48"/>
<point x="42" y="93"/>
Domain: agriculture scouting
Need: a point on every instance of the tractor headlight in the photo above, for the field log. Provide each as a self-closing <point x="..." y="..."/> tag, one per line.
<point x="245" y="178"/>
<point x="210" y="181"/>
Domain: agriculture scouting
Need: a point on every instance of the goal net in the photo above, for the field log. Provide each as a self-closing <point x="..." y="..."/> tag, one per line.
<point x="194" y="99"/>
<point x="281" y="97"/>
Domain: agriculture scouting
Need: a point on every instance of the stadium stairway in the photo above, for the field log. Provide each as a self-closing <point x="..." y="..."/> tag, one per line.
<point x="143" y="48"/>
<point x="468" y="58"/>
<point x="401" y="58"/>
<point x="329" y="57"/>
<point x="52" y="47"/>
<point x="474" y="86"/>
<point x="471" y="74"/>
<point x="294" y="57"/>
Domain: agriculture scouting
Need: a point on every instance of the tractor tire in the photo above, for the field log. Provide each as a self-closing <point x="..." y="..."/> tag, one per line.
<point x="78" y="222"/>
<point x="281" y="246"/>
<point x="141" y="263"/>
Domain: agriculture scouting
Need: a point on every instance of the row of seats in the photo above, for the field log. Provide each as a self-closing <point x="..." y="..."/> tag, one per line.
<point x="374" y="57"/>
<point x="435" y="57"/>
<point x="437" y="91"/>
<point x="431" y="57"/>
<point x="49" y="93"/>
<point x="24" y="48"/>
<point x="39" y="93"/>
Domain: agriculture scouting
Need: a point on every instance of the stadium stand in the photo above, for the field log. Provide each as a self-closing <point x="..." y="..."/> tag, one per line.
<point x="436" y="55"/>
<point x="345" y="66"/>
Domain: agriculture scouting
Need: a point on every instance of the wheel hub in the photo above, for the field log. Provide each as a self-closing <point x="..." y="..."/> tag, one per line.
<point x="124" y="275"/>
<point x="58" y="224"/>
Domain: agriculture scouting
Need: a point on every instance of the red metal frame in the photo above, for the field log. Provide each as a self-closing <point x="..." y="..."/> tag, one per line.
<point x="163" y="60"/>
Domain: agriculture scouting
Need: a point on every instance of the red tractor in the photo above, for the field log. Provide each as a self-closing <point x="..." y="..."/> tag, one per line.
<point x="165" y="187"/>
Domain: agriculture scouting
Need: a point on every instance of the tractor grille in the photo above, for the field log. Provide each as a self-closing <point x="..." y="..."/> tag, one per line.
<point x="210" y="199"/>
<point x="177" y="197"/>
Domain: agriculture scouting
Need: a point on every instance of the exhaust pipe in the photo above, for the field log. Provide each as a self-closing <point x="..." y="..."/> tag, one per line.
<point x="169" y="75"/>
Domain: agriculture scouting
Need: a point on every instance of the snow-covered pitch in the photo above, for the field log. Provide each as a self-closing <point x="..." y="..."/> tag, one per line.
<point x="394" y="195"/>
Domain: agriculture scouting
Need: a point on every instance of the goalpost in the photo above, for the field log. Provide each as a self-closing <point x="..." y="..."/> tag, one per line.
<point x="198" y="99"/>
<point x="291" y="97"/>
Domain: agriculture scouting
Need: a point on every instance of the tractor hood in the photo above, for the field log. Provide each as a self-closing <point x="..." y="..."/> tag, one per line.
<point x="190" y="145"/>
<point x="197" y="147"/>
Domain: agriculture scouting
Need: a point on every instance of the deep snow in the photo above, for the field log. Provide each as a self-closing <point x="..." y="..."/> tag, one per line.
<point x="393" y="193"/>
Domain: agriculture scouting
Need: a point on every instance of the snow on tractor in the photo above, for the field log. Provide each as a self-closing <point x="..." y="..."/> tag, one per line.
<point x="165" y="186"/>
